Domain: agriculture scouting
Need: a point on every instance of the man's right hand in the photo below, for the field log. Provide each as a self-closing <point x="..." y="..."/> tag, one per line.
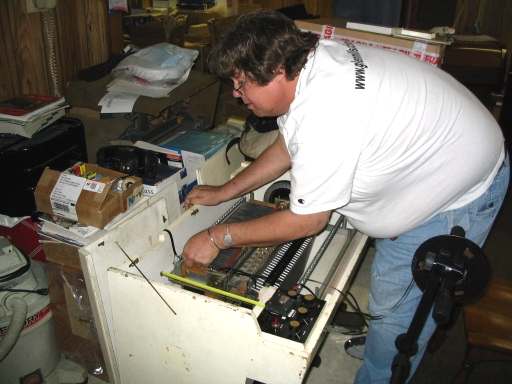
<point x="205" y="195"/>
<point x="272" y="163"/>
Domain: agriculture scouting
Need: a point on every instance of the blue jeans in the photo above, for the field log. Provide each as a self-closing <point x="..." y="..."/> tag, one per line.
<point x="391" y="276"/>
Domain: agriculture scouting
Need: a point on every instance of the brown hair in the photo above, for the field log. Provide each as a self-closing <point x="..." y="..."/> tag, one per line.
<point x="260" y="43"/>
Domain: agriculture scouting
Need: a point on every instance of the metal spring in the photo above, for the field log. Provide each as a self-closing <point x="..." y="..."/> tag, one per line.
<point x="228" y="213"/>
<point x="50" y="34"/>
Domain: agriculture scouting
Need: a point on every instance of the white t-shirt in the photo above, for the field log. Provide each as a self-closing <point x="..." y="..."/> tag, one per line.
<point x="387" y="139"/>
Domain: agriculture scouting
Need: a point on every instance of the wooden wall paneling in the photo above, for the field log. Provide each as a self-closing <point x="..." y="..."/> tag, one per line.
<point x="494" y="19"/>
<point x="71" y="43"/>
<point x="30" y="53"/>
<point x="97" y="30"/>
<point x="491" y="19"/>
<point x="487" y="17"/>
<point x="507" y="26"/>
<point x="24" y="40"/>
<point x="425" y="14"/>
<point x="82" y="41"/>
<point x="9" y="77"/>
<point x="276" y="4"/>
<point x="465" y="16"/>
<point x="83" y="35"/>
<point x="116" y="41"/>
<point x="322" y="8"/>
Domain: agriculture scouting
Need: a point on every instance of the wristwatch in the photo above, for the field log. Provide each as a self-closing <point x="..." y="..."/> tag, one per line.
<point x="228" y="240"/>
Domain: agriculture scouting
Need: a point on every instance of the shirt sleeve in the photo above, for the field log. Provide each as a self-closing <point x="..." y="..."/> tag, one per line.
<point x="324" y="146"/>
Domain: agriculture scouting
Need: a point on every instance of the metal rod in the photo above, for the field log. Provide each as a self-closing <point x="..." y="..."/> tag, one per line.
<point x="321" y="251"/>
<point x="340" y="256"/>
<point x="144" y="276"/>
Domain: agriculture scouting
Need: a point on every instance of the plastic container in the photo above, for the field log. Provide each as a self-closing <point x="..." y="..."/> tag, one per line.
<point x="35" y="352"/>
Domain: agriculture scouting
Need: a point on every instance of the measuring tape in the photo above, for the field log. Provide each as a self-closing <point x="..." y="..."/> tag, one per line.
<point x="197" y="284"/>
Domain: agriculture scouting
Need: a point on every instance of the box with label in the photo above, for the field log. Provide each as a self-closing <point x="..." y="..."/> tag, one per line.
<point x="152" y="187"/>
<point x="406" y="42"/>
<point x="195" y="147"/>
<point x="91" y="201"/>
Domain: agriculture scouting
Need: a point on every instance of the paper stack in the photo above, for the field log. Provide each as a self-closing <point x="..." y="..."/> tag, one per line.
<point x="61" y="230"/>
<point x="25" y="115"/>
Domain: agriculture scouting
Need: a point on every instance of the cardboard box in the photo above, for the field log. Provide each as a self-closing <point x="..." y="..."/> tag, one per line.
<point x="430" y="51"/>
<point x="74" y="326"/>
<point x="90" y="202"/>
<point x="175" y="175"/>
<point x="66" y="272"/>
<point x="62" y="254"/>
<point x="192" y="149"/>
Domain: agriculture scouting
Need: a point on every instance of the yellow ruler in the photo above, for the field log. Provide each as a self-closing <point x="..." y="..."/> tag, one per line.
<point x="197" y="284"/>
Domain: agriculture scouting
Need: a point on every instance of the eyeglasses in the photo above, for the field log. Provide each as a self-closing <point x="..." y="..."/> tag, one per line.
<point x="240" y="87"/>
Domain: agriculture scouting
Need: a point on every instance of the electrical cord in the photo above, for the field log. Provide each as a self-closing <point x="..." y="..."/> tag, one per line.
<point x="347" y="333"/>
<point x="172" y="242"/>
<point x="393" y="308"/>
<point x="41" y="291"/>
<point x="348" y="297"/>
<point x="309" y="290"/>
<point x="404" y="295"/>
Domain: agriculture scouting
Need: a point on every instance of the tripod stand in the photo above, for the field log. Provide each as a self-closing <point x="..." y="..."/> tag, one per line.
<point x="449" y="269"/>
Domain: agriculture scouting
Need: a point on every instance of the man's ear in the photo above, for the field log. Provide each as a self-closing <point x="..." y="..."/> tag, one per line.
<point x="280" y="73"/>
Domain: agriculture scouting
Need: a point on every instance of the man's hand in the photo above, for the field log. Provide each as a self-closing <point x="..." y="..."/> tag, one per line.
<point x="204" y="195"/>
<point x="199" y="250"/>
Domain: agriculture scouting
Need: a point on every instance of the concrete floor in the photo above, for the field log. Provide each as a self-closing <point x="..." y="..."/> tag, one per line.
<point x="337" y="367"/>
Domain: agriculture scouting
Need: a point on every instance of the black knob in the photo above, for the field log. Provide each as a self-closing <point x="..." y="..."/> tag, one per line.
<point x="458" y="231"/>
<point x="317" y="360"/>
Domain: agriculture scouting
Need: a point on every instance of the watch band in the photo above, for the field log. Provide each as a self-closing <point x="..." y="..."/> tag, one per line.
<point x="228" y="240"/>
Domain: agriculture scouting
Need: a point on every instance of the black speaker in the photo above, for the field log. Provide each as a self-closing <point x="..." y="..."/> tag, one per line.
<point x="22" y="161"/>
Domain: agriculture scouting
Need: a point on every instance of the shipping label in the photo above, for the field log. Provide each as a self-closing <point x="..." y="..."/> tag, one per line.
<point x="94" y="186"/>
<point x="65" y="195"/>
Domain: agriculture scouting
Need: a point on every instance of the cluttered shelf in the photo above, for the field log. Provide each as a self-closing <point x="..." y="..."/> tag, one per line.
<point x="190" y="24"/>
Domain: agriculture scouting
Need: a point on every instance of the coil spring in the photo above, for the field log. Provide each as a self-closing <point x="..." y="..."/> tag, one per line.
<point x="50" y="34"/>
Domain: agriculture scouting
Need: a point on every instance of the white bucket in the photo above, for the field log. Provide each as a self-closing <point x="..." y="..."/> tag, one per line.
<point x="36" y="350"/>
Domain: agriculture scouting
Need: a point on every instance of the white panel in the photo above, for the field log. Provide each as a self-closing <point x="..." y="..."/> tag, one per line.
<point x="208" y="340"/>
<point x="135" y="235"/>
<point x="217" y="171"/>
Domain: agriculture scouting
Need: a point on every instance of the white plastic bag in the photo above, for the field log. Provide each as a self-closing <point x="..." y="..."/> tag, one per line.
<point x="161" y="62"/>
